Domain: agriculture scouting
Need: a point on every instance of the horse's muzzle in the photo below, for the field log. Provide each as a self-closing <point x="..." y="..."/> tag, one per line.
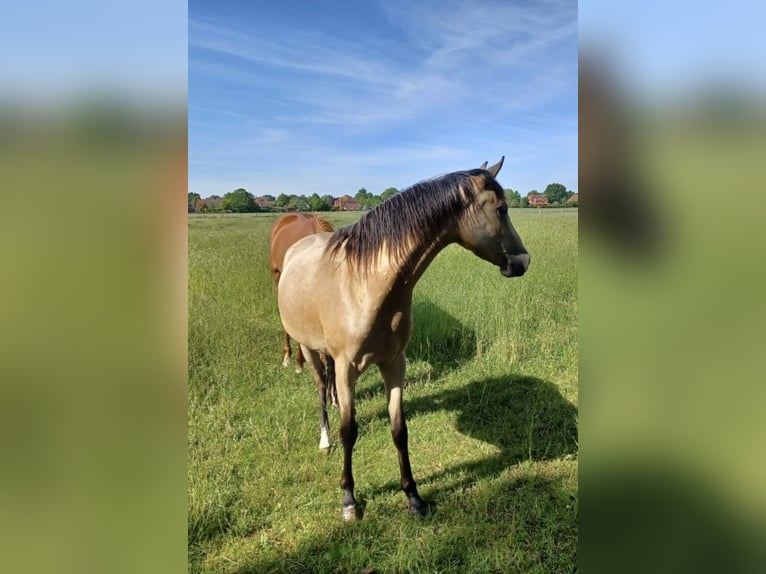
<point x="515" y="265"/>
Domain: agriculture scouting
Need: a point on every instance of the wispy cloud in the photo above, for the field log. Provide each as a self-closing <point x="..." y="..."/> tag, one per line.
<point x="204" y="110"/>
<point x="434" y="87"/>
<point x="318" y="55"/>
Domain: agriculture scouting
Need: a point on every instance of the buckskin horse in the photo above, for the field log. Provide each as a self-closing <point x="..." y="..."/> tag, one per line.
<point x="285" y="231"/>
<point x="349" y="293"/>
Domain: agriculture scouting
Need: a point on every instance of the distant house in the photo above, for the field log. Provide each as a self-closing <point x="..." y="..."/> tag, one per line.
<point x="574" y="199"/>
<point x="264" y="202"/>
<point x="345" y="203"/>
<point x="537" y="200"/>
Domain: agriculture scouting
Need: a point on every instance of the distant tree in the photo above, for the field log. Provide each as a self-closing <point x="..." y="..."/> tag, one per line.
<point x="364" y="198"/>
<point x="282" y="200"/>
<point x="200" y="205"/>
<point x="513" y="198"/>
<point x="212" y="203"/>
<point x="389" y="192"/>
<point x="373" y="201"/>
<point x="239" y="201"/>
<point x="269" y="197"/>
<point x="556" y="192"/>
<point x="361" y="195"/>
<point x="298" y="203"/>
<point x="317" y="203"/>
<point x="193" y="197"/>
<point x="327" y="201"/>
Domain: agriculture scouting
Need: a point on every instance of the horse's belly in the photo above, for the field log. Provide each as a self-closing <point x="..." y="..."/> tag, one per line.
<point x="302" y="324"/>
<point x="297" y="293"/>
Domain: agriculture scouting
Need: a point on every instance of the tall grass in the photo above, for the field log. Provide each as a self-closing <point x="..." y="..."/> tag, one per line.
<point x="491" y="404"/>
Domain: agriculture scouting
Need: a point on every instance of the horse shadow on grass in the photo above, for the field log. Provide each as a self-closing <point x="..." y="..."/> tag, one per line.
<point x="527" y="418"/>
<point x="531" y="523"/>
<point x="439" y="338"/>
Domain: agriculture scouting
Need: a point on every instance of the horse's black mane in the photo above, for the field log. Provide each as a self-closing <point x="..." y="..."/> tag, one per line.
<point x="412" y="216"/>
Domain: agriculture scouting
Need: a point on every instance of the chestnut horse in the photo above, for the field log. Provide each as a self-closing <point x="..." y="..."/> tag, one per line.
<point x="349" y="293"/>
<point x="285" y="231"/>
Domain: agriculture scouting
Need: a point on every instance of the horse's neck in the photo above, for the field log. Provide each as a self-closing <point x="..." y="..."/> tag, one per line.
<point x="409" y="269"/>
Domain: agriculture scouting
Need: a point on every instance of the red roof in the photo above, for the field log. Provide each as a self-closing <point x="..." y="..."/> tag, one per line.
<point x="537" y="200"/>
<point x="345" y="203"/>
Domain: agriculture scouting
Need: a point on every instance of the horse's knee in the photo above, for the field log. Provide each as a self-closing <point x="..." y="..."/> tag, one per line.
<point x="349" y="431"/>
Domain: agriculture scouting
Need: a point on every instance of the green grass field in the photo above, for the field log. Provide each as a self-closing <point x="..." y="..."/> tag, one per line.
<point x="491" y="405"/>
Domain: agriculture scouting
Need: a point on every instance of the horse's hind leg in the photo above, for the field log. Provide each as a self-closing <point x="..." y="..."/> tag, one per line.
<point x="287" y="351"/>
<point x="329" y="364"/>
<point x="317" y="371"/>
<point x="393" y="377"/>
<point x="299" y="360"/>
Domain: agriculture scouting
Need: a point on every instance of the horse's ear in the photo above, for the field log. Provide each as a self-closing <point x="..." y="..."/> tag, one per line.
<point x="495" y="169"/>
<point x="483" y="166"/>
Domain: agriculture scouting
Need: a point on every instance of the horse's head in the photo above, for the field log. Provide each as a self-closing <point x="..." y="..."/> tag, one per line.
<point x="486" y="230"/>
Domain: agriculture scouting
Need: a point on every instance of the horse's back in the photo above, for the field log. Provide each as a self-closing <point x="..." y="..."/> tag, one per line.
<point x="289" y="229"/>
<point x="285" y="228"/>
<point x="307" y="251"/>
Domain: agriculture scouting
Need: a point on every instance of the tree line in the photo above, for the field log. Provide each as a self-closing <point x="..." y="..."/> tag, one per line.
<point x="242" y="201"/>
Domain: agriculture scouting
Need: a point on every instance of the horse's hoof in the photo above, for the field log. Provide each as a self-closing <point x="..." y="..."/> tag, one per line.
<point x="298" y="370"/>
<point x="419" y="509"/>
<point x="351" y="514"/>
<point x="286" y="362"/>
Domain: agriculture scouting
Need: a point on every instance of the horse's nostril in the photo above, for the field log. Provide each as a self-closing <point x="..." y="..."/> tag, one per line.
<point x="518" y="269"/>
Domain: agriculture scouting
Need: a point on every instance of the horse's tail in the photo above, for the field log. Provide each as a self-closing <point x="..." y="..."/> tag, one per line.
<point x="323" y="224"/>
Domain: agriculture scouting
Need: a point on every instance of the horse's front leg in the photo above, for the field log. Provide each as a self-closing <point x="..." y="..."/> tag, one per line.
<point x="345" y="381"/>
<point x="393" y="377"/>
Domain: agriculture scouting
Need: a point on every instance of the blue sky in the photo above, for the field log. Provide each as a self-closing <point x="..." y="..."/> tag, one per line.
<point x="55" y="50"/>
<point x="661" y="49"/>
<point x="327" y="97"/>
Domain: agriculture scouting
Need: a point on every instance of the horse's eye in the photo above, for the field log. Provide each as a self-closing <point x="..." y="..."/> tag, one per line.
<point x="502" y="210"/>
